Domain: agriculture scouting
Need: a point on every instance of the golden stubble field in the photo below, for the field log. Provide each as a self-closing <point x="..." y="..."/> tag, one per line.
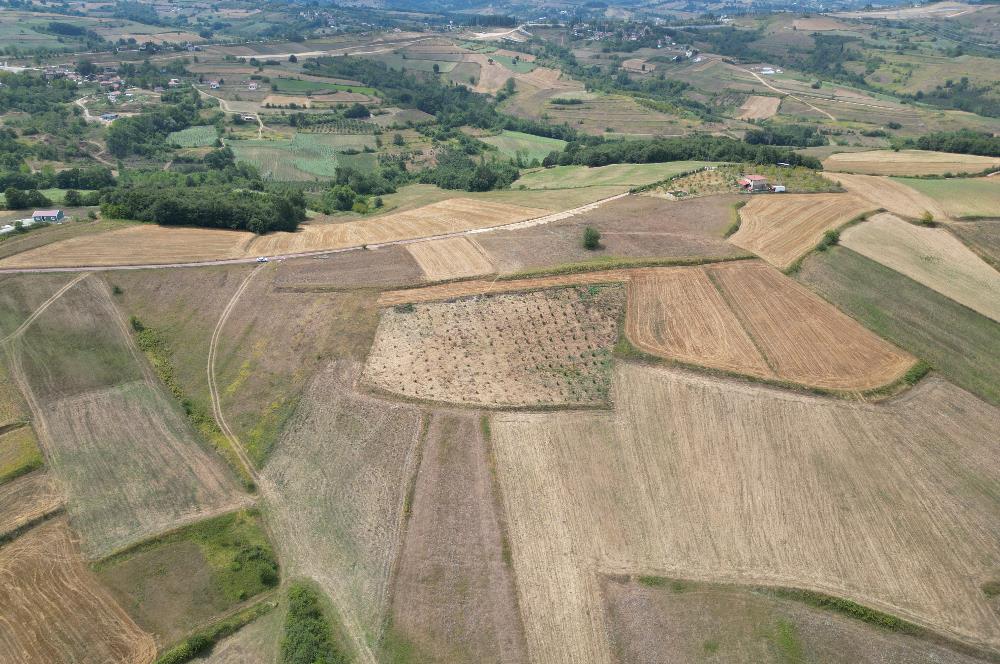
<point x="782" y="227"/>
<point x="451" y="258"/>
<point x="758" y="107"/>
<point x="892" y="505"/>
<point x="931" y="256"/>
<point x="26" y="499"/>
<point x="908" y="162"/>
<point x="884" y="192"/>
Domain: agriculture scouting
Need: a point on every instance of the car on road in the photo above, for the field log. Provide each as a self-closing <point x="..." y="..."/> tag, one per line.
<point x="262" y="259"/>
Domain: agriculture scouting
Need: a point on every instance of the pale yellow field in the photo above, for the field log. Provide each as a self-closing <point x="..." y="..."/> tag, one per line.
<point x="931" y="256"/>
<point x="758" y="107"/>
<point x="450" y="258"/>
<point x="26" y="499"/>
<point x="883" y="192"/>
<point x="782" y="227"/>
<point x="894" y="505"/>
<point x="907" y="162"/>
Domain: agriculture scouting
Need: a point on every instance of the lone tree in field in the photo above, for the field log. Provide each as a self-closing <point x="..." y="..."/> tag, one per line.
<point x="591" y="238"/>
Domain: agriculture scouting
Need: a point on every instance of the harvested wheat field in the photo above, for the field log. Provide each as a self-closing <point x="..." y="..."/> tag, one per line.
<point x="894" y="196"/>
<point x="908" y="162"/>
<point x="454" y="594"/>
<point x="450" y="258"/>
<point x="26" y="499"/>
<point x="53" y="609"/>
<point x="391" y="267"/>
<point x="930" y="256"/>
<point x="541" y="348"/>
<point x="821" y="24"/>
<point x="676" y="621"/>
<point x="757" y="107"/>
<point x="892" y="505"/>
<point x="137" y="245"/>
<point x="337" y="486"/>
<point x="449" y="216"/>
<point x="782" y="227"/>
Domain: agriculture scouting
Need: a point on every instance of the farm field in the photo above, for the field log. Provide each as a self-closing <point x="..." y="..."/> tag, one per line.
<point x="983" y="237"/>
<point x="454" y="595"/>
<point x="781" y="228"/>
<point x="339" y="522"/>
<point x="27" y="499"/>
<point x="907" y="162"/>
<point x="53" y="609"/>
<point x="893" y="194"/>
<point x="724" y="179"/>
<point x="628" y="175"/>
<point x="43" y="236"/>
<point x="256" y="643"/>
<point x="303" y="157"/>
<point x="450" y="258"/>
<point x="501" y="350"/>
<point x="660" y="486"/>
<point x="930" y="256"/>
<point x="299" y="86"/>
<point x="958" y="342"/>
<point x="670" y="620"/>
<point x="19" y="452"/>
<point x="757" y="107"/>
<point x="961" y="197"/>
<point x="515" y="144"/>
<point x="392" y="266"/>
<point x="193" y="137"/>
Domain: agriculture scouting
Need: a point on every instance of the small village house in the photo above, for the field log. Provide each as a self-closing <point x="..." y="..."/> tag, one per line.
<point x="753" y="183"/>
<point x="47" y="215"/>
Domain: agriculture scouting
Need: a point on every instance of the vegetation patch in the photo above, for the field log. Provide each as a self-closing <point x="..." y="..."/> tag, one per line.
<point x="194" y="137"/>
<point x="19" y="453"/>
<point x="204" y="639"/>
<point x="310" y="634"/>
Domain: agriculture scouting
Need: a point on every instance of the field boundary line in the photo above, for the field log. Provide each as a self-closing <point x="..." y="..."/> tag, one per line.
<point x="41" y="308"/>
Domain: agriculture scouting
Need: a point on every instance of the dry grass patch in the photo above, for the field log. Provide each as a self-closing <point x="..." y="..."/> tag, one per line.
<point x="454" y="595"/>
<point x="982" y="236"/>
<point x="450" y="258"/>
<point x="540" y="348"/>
<point x="894" y="196"/>
<point x="391" y="266"/>
<point x="908" y="162"/>
<point x="757" y="107"/>
<point x="460" y="289"/>
<point x="931" y="256"/>
<point x="27" y="499"/>
<point x="782" y="227"/>
<point x="961" y="197"/>
<point x="257" y="643"/>
<point x="337" y="488"/>
<point x="53" y="609"/>
<point x="893" y="506"/>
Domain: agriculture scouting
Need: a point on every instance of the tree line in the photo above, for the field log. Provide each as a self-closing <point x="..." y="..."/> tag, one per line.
<point x="597" y="152"/>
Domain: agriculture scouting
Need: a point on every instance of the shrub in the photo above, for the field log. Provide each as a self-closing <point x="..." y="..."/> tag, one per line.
<point x="591" y="238"/>
<point x="830" y="238"/>
<point x="308" y="637"/>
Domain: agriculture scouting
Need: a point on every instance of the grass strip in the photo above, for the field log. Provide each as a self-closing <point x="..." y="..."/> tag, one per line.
<point x="204" y="639"/>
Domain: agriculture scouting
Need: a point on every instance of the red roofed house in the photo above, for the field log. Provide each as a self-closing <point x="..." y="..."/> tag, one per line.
<point x="753" y="183"/>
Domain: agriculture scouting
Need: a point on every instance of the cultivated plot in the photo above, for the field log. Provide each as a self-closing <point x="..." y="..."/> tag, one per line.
<point x="781" y="228"/>
<point x="893" y="506"/>
<point x="757" y="107"/>
<point x="930" y="256"/>
<point x="450" y="258"/>
<point x="27" y="499"/>
<point x="960" y="197"/>
<point x="908" y="162"/>
<point x="891" y="194"/>
<point x="540" y="348"/>
<point x="53" y="609"/>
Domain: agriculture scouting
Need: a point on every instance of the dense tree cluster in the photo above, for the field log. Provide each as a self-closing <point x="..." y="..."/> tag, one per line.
<point x="146" y="134"/>
<point x="455" y="170"/>
<point x="33" y="94"/>
<point x="802" y="136"/>
<point x="595" y="152"/>
<point x="308" y="638"/>
<point x="965" y="141"/>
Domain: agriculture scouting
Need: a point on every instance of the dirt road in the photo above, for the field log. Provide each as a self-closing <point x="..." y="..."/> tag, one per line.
<point x="787" y="93"/>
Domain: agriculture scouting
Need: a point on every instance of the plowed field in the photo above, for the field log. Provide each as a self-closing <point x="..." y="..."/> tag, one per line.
<point x="893" y="505"/>
<point x="782" y="227"/>
<point x="450" y="258"/>
<point x="930" y="256"/>
<point x="907" y="162"/>
<point x="26" y="499"/>
<point x="894" y="196"/>
<point x="757" y="107"/>
<point x="52" y="608"/>
<point x="542" y="348"/>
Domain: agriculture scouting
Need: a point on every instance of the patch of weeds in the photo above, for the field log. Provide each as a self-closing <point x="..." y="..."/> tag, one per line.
<point x="710" y="646"/>
<point x="991" y="589"/>
<point x="852" y="609"/>
<point x="310" y="636"/>
<point x="204" y="639"/>
<point x="829" y="239"/>
<point x="916" y="372"/>
<point x="408" y="308"/>
<point x="787" y="641"/>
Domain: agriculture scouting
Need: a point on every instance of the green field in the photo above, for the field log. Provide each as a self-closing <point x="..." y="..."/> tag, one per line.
<point x="512" y="143"/>
<point x="961" y="197"/>
<point x="19" y="453"/>
<point x="54" y="195"/>
<point x="627" y="175"/>
<point x="305" y="156"/>
<point x="521" y="66"/>
<point x="963" y="345"/>
<point x="193" y="137"/>
<point x="398" y="62"/>
<point x="296" y="86"/>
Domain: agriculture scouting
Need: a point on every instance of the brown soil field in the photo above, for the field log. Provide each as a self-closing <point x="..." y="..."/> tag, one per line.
<point x="454" y="595"/>
<point x="883" y="192"/>
<point x="630" y="227"/>
<point x="757" y="107"/>
<point x="451" y="258"/>
<point x="782" y="227"/>
<point x="137" y="245"/>
<point x="907" y="162"/>
<point x="982" y="236"/>
<point x="821" y="24"/>
<point x="384" y="267"/>
<point x="677" y="621"/>
<point x="337" y="490"/>
<point x="891" y="505"/>
<point x="930" y="256"/>
<point x="30" y="497"/>
<point x="53" y="609"/>
<point x="540" y="348"/>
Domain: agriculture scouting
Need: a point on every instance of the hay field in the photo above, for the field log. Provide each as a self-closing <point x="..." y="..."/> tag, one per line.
<point x="757" y="107"/>
<point x="893" y="506"/>
<point x="891" y="194"/>
<point x="623" y="175"/>
<point x="930" y="256"/>
<point x="450" y="258"/>
<point x="441" y="218"/>
<point x="908" y="162"/>
<point x="256" y="643"/>
<point x="540" y="348"/>
<point x="515" y="144"/>
<point x="137" y="245"/>
<point x="961" y="197"/>
<point x="19" y="452"/>
<point x="782" y="227"/>
<point x="53" y="609"/>
<point x="337" y="486"/>
<point x="454" y="595"/>
<point x="674" y="621"/>
<point x="27" y="499"/>
<point x="748" y="318"/>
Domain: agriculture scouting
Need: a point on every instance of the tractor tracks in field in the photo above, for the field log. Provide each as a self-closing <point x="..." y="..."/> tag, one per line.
<point x="41" y="309"/>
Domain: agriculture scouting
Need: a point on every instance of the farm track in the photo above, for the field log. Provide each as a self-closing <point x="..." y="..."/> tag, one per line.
<point x="786" y="93"/>
<point x="41" y="309"/>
